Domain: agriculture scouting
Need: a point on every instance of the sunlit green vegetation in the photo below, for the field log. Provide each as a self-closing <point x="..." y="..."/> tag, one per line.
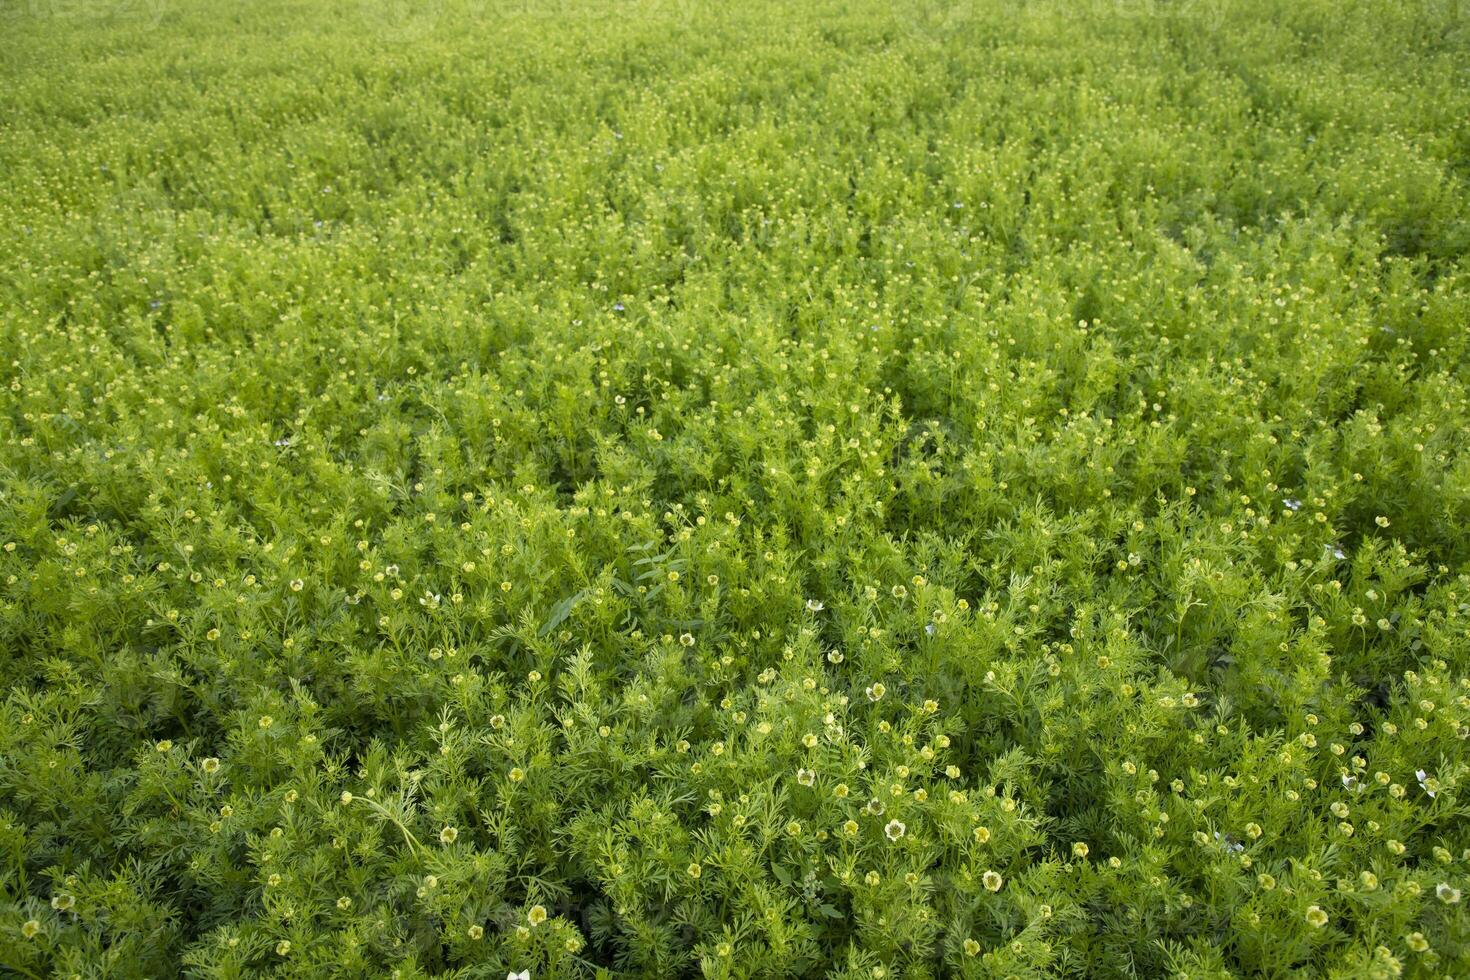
<point x="765" y="489"/>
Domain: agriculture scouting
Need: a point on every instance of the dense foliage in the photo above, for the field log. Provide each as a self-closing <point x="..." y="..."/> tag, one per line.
<point x="755" y="490"/>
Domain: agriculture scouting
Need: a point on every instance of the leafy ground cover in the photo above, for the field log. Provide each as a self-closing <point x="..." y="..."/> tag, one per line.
<point x="754" y="490"/>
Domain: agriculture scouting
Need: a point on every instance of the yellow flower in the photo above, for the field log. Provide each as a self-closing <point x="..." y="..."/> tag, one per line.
<point x="537" y="915"/>
<point x="31" y="929"/>
<point x="695" y="870"/>
<point x="210" y="765"/>
<point x="448" y="835"/>
<point x="476" y="932"/>
<point x="992" y="881"/>
<point x="1316" y="917"/>
<point x="982" y="834"/>
<point x="972" y="948"/>
<point x="283" y="947"/>
<point x="517" y="774"/>
<point x="1079" y="850"/>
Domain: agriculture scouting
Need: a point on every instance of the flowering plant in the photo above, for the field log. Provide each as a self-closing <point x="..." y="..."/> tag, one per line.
<point x="686" y="497"/>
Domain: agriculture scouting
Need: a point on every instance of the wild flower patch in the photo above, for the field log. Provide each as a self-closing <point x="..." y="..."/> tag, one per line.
<point x="761" y="490"/>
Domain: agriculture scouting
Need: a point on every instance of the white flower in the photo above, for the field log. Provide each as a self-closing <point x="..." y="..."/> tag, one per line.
<point x="523" y="975"/>
<point x="815" y="605"/>
<point x="894" y="830"/>
<point x="1292" y="503"/>
<point x="1423" y="778"/>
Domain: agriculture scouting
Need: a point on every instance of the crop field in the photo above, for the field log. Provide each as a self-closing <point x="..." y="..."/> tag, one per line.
<point x="664" y="488"/>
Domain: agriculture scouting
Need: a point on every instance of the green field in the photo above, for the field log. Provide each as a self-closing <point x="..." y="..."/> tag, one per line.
<point x="657" y="488"/>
